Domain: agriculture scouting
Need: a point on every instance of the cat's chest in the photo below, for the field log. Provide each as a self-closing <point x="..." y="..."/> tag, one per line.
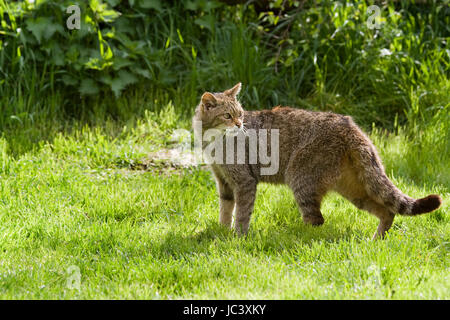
<point x="232" y="174"/>
<point x="221" y="171"/>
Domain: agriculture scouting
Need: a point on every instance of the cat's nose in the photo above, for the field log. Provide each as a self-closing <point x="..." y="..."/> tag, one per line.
<point x="238" y="123"/>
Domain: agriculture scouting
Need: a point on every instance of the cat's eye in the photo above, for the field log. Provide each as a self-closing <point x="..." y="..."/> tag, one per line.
<point x="227" y="116"/>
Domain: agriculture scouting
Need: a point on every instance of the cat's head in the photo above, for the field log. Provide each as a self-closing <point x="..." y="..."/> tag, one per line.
<point x="221" y="110"/>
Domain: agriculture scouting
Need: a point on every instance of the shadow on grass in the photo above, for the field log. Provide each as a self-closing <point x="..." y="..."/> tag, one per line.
<point x="274" y="240"/>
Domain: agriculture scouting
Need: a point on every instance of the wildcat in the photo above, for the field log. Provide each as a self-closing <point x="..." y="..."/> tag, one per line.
<point x="318" y="152"/>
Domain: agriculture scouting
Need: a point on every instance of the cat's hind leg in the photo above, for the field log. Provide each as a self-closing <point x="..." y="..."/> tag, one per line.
<point x="351" y="188"/>
<point x="310" y="183"/>
<point x="382" y="213"/>
<point x="309" y="197"/>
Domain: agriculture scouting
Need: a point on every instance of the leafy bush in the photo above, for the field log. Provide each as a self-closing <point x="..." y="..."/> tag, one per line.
<point x="333" y="51"/>
<point x="314" y="54"/>
<point x="117" y="44"/>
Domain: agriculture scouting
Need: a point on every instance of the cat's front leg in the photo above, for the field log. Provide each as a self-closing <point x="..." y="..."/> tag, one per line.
<point x="226" y="203"/>
<point x="245" y="199"/>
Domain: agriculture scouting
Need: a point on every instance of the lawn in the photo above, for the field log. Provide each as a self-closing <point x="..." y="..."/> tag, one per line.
<point x="85" y="216"/>
<point x="88" y="212"/>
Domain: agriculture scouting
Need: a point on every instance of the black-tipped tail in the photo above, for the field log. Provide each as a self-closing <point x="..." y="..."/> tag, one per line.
<point x="427" y="204"/>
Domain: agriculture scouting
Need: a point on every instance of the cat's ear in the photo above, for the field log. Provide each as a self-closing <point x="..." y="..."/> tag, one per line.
<point x="208" y="101"/>
<point x="233" y="92"/>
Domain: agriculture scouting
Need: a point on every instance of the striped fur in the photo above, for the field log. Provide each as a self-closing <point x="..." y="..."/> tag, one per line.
<point x="318" y="152"/>
<point x="381" y="189"/>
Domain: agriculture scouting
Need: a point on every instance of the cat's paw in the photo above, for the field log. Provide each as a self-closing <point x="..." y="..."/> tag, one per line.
<point x="313" y="220"/>
<point x="241" y="229"/>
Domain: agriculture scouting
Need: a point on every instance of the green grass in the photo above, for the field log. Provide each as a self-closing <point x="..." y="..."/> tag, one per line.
<point x="74" y="192"/>
<point x="153" y="234"/>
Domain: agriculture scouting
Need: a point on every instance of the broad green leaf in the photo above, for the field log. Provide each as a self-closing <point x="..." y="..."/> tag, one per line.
<point x="109" y="15"/>
<point x="166" y="77"/>
<point x="97" y="64"/>
<point x="88" y="87"/>
<point x="43" y="28"/>
<point x="127" y="77"/>
<point x="57" y="56"/>
<point x="119" y="62"/>
<point x="143" y="72"/>
<point x="151" y="4"/>
<point x="206" y="22"/>
<point x="113" y="3"/>
<point x="203" y="5"/>
<point x="38" y="27"/>
<point x="124" y="78"/>
<point x="69" y="80"/>
<point x="124" y="25"/>
<point x="211" y="4"/>
<point x="108" y="54"/>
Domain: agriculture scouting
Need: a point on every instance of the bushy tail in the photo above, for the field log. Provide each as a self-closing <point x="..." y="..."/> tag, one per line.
<point x="383" y="191"/>
<point x="427" y="204"/>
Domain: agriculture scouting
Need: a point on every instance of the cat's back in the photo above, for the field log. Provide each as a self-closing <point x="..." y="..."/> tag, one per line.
<point x="307" y="138"/>
<point x="302" y="126"/>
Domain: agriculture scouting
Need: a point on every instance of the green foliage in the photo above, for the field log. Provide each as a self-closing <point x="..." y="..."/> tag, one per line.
<point x="80" y="110"/>
<point x="110" y="51"/>
<point x="399" y="69"/>
<point x="312" y="54"/>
